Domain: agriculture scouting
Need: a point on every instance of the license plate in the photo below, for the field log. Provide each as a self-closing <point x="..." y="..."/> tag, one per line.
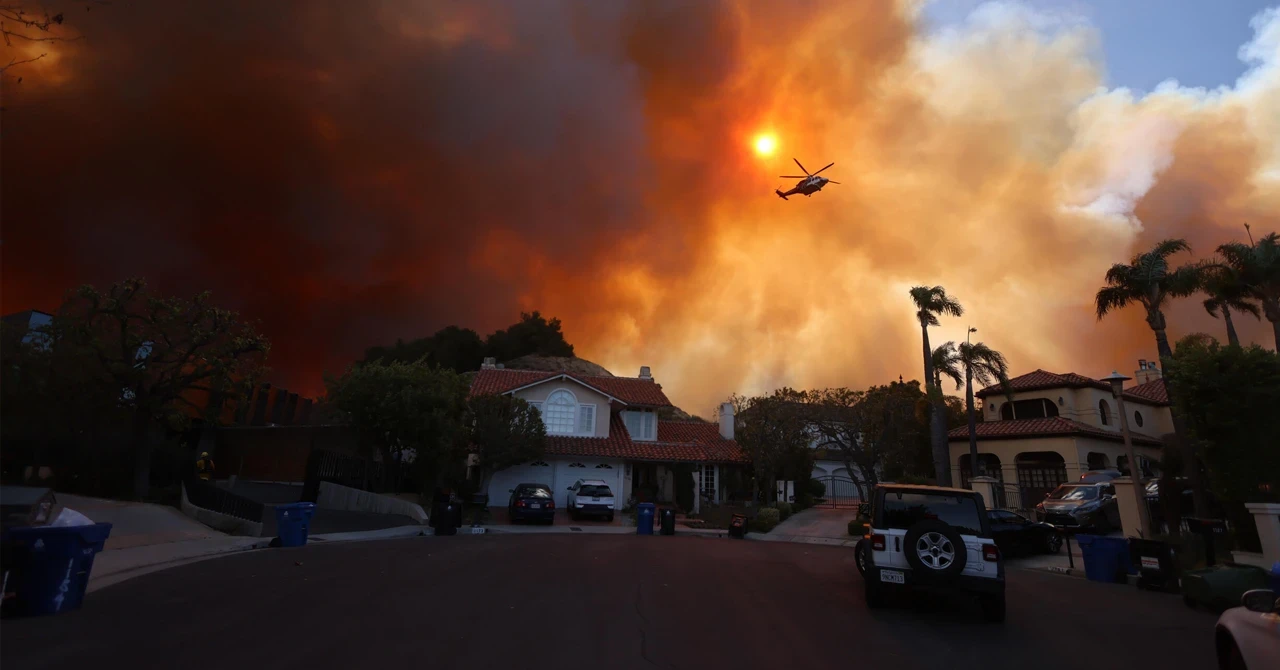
<point x="891" y="576"/>
<point x="535" y="506"/>
<point x="477" y="531"/>
<point x="1153" y="563"/>
<point x="595" y="500"/>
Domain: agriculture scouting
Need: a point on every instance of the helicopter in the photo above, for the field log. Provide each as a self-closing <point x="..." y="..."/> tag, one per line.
<point x="809" y="183"/>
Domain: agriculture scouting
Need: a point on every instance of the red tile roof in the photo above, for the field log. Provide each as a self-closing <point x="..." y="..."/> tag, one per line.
<point x="1049" y="427"/>
<point x="1151" y="393"/>
<point x="678" y="441"/>
<point x="631" y="390"/>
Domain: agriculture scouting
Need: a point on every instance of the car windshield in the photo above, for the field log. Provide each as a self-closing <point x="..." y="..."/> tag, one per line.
<point x="534" y="492"/>
<point x="595" y="491"/>
<point x="903" y="510"/>
<point x="1065" y="492"/>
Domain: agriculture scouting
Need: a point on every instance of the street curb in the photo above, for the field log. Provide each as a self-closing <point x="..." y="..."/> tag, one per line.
<point x="102" y="580"/>
<point x="803" y="539"/>
<point x="380" y="534"/>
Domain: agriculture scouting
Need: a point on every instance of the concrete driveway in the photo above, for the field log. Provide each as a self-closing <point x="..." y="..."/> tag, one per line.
<point x="815" y="523"/>
<point x="603" y="601"/>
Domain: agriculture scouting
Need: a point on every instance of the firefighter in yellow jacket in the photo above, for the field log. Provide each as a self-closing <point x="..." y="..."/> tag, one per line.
<point x="204" y="466"/>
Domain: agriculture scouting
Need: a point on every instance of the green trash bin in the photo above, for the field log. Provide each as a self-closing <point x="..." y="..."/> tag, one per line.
<point x="1219" y="587"/>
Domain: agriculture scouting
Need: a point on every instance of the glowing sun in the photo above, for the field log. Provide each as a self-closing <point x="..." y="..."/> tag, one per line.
<point x="765" y="145"/>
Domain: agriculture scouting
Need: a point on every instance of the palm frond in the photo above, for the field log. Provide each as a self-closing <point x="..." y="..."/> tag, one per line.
<point x="1211" y="306"/>
<point x="1112" y="298"/>
<point x="1187" y="279"/>
<point x="1169" y="247"/>
<point x="946" y="362"/>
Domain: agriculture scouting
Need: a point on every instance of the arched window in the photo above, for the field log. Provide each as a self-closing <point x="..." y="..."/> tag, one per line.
<point x="560" y="412"/>
<point x="1104" y="411"/>
<point x="1137" y="418"/>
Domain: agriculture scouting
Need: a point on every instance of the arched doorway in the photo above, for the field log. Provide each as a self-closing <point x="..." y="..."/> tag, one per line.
<point x="1039" y="472"/>
<point x="1097" y="461"/>
<point x="990" y="467"/>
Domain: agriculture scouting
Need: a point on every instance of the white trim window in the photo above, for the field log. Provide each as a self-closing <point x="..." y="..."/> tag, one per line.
<point x="709" y="483"/>
<point x="586" y="419"/>
<point x="560" y="412"/>
<point x="641" y="425"/>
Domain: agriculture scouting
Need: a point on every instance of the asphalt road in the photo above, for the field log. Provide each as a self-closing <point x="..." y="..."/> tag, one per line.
<point x="589" y="601"/>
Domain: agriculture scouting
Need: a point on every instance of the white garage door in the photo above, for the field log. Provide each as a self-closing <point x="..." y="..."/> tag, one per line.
<point x="538" y="472"/>
<point x="570" y="471"/>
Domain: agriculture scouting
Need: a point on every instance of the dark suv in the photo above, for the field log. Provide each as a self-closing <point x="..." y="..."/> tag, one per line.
<point x="1081" y="507"/>
<point x="933" y="538"/>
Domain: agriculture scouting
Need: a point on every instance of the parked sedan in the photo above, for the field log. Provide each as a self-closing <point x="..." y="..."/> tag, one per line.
<point x="1086" y="507"/>
<point x="531" y="502"/>
<point x="1248" y="637"/>
<point x="1015" y="534"/>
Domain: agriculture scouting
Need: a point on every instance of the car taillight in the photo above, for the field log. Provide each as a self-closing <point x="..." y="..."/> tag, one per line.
<point x="990" y="552"/>
<point x="551" y="504"/>
<point x="877" y="542"/>
<point x="519" y="503"/>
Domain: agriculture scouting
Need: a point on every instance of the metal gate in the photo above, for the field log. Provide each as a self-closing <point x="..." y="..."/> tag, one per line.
<point x="840" y="492"/>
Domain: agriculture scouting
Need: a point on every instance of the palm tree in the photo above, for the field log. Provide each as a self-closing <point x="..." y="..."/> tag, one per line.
<point x="1148" y="281"/>
<point x="1259" y="267"/>
<point x="930" y="302"/>
<point x="1228" y="290"/>
<point x="984" y="365"/>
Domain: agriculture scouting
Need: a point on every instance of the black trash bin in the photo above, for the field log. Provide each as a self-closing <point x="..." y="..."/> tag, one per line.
<point x="738" y="526"/>
<point x="446" y="514"/>
<point x="668" y="522"/>
<point x="1157" y="564"/>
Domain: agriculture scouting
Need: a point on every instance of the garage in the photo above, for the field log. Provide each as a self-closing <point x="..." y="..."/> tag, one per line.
<point x="570" y="471"/>
<point x="538" y="472"/>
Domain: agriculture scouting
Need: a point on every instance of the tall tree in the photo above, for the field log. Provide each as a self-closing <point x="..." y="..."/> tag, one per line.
<point x="507" y="431"/>
<point x="1259" y="268"/>
<point x="1147" y="280"/>
<point x="168" y="360"/>
<point x="405" y="413"/>
<point x="770" y="430"/>
<point x="874" y="431"/>
<point x="931" y="302"/>
<point x="532" y="334"/>
<point x="1227" y="291"/>
<point x="985" y="366"/>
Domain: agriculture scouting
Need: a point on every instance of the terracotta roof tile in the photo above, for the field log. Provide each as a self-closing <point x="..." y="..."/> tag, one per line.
<point x="678" y="441"/>
<point x="1048" y="427"/>
<point x="631" y="390"/>
<point x="1151" y="393"/>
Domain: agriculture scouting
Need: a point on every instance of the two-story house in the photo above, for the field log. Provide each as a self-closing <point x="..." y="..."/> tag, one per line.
<point x="608" y="428"/>
<point x="1060" y="425"/>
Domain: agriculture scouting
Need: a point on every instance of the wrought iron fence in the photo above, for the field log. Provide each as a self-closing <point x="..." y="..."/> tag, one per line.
<point x="1009" y="496"/>
<point x="209" y="496"/>
<point x="840" y="492"/>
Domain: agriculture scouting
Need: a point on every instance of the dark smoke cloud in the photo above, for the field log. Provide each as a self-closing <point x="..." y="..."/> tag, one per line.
<point x="353" y="173"/>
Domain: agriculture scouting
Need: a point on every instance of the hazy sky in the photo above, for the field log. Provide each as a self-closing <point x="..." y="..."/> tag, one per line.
<point x="1148" y="41"/>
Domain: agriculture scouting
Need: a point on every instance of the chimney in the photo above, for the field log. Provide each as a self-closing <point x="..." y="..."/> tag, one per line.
<point x="1147" y="371"/>
<point x="644" y="373"/>
<point x="726" y="420"/>
<point x="488" y="363"/>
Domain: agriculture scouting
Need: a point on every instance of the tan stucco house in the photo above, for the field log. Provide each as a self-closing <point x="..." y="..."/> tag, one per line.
<point x="1058" y="426"/>
<point x="608" y="428"/>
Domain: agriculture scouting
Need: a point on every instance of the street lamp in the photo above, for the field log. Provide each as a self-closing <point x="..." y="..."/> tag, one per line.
<point x="1117" y="381"/>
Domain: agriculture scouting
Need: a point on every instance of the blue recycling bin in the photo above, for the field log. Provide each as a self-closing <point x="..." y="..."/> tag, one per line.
<point x="49" y="566"/>
<point x="293" y="521"/>
<point x="1106" y="559"/>
<point x="644" y="519"/>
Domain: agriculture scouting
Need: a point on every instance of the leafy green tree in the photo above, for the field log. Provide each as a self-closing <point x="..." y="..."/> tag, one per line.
<point x="405" y="413"/>
<point x="1231" y="395"/>
<point x="931" y="302"/>
<point x="507" y="431"/>
<point x="877" y="430"/>
<point x="533" y="334"/>
<point x="1227" y="291"/>
<point x="164" y="360"/>
<point x="771" y="430"/>
<point x="1147" y="280"/>
<point x="1259" y="268"/>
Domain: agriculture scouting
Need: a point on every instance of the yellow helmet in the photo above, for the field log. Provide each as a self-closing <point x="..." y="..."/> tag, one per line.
<point x="204" y="454"/>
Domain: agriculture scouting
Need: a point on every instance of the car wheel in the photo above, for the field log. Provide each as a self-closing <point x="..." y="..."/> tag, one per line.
<point x="1053" y="543"/>
<point x="874" y="594"/>
<point x="993" y="607"/>
<point x="860" y="556"/>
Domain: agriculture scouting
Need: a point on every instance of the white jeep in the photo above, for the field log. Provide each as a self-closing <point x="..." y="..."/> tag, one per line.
<point x="931" y="537"/>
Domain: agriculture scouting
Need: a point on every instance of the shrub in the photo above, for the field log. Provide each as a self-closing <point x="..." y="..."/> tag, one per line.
<point x="784" y="510"/>
<point x="767" y="519"/>
<point x="816" y="489"/>
<point x="858" y="527"/>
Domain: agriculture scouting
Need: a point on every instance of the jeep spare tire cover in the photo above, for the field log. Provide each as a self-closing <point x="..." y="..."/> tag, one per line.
<point x="935" y="550"/>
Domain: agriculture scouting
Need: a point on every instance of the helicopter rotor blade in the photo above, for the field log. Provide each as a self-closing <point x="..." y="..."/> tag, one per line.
<point x="828" y="165"/>
<point x="806" y="172"/>
<point x="832" y="182"/>
<point x="794" y="176"/>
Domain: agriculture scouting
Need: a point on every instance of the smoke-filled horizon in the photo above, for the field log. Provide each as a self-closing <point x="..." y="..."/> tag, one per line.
<point x="350" y="177"/>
